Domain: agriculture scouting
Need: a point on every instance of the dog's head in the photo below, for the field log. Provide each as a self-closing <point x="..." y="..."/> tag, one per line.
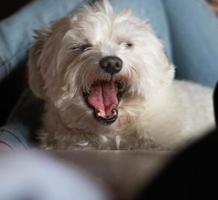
<point x="98" y="62"/>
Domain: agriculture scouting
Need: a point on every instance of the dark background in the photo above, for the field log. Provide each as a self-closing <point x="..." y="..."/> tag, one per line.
<point x="10" y="6"/>
<point x="12" y="86"/>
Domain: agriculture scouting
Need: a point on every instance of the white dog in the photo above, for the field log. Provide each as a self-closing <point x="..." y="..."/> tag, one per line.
<point x="107" y="84"/>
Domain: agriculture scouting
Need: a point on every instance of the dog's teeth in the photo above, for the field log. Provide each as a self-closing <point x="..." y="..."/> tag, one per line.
<point x="114" y="111"/>
<point x="99" y="114"/>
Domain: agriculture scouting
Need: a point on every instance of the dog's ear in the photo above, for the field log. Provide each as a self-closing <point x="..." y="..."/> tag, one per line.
<point x="36" y="81"/>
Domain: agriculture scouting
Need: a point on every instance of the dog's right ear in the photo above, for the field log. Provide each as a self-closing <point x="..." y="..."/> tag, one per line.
<point x="36" y="81"/>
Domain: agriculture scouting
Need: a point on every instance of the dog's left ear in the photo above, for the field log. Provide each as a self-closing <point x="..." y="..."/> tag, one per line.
<point x="36" y="81"/>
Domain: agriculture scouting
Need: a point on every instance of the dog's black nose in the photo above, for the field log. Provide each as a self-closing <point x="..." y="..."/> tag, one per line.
<point x="111" y="64"/>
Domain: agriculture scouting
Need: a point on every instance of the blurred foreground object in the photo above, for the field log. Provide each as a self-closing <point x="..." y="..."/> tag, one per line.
<point x="35" y="176"/>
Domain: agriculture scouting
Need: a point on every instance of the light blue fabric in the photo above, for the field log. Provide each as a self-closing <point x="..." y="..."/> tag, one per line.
<point x="188" y="26"/>
<point x="194" y="38"/>
<point x="23" y="122"/>
<point x="16" y="32"/>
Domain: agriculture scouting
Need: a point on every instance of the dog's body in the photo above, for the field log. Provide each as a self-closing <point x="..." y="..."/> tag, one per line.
<point x="107" y="84"/>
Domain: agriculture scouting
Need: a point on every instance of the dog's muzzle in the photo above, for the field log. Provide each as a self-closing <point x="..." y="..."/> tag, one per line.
<point x="104" y="97"/>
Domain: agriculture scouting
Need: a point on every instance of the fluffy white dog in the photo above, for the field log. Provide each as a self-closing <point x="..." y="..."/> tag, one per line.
<point x="107" y="84"/>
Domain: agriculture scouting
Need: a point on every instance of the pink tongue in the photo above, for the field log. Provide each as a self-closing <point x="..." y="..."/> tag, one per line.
<point x="103" y="98"/>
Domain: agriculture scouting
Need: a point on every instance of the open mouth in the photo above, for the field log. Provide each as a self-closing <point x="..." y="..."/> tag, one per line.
<point x="104" y="98"/>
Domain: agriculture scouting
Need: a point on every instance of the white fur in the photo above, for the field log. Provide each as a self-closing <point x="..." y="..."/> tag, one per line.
<point x="156" y="112"/>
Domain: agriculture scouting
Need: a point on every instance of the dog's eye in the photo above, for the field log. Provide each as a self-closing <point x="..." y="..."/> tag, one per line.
<point x="129" y="44"/>
<point x="82" y="47"/>
<point x="85" y="47"/>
